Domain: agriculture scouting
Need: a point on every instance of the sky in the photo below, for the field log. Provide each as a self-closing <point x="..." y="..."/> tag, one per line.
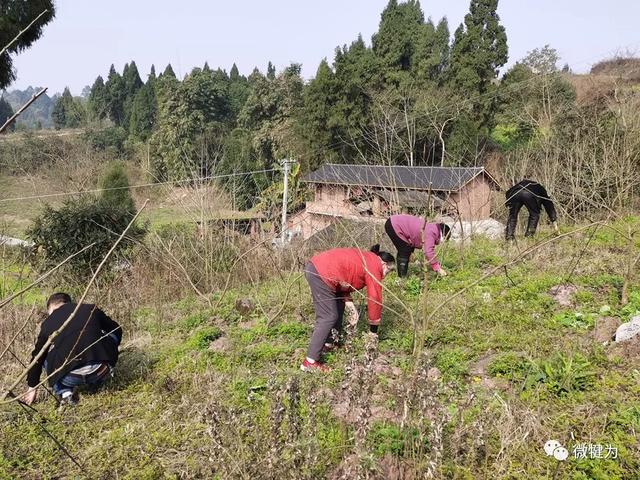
<point x="87" y="36"/>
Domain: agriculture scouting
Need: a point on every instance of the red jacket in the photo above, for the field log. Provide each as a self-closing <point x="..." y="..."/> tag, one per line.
<point x="350" y="269"/>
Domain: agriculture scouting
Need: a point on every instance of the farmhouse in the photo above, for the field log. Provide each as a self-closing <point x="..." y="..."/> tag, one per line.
<point x="373" y="192"/>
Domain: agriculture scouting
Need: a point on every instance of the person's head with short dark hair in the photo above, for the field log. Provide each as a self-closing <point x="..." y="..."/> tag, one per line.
<point x="388" y="260"/>
<point x="57" y="300"/>
<point x="445" y="231"/>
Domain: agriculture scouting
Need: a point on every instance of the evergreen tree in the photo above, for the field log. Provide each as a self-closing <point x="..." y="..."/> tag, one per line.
<point x="131" y="77"/>
<point x="5" y="113"/>
<point x="479" y="50"/>
<point x="238" y="92"/>
<point x="319" y="99"/>
<point x="66" y="112"/>
<point x="116" y="95"/>
<point x="206" y="67"/>
<point x="255" y="76"/>
<point x="117" y="194"/>
<point x="143" y="112"/>
<point x="399" y="34"/>
<point x="15" y="16"/>
<point x="168" y="71"/>
<point x="357" y="73"/>
<point x="152" y="74"/>
<point x="270" y="113"/>
<point x="98" y="101"/>
<point x="191" y="115"/>
<point x="271" y="71"/>
<point x="431" y="55"/>
<point x="234" y="74"/>
<point x="132" y="84"/>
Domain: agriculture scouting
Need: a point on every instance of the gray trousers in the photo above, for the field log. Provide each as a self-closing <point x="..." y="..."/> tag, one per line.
<point x="329" y="306"/>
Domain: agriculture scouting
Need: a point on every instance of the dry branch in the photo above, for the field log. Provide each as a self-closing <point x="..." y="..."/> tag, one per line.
<point x="33" y="98"/>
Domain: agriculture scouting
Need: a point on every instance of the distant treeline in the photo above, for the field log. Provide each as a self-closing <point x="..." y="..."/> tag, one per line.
<point x="414" y="95"/>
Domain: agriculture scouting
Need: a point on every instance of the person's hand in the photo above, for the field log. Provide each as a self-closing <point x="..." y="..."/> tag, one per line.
<point x="442" y="272"/>
<point x="30" y="396"/>
<point x="352" y="313"/>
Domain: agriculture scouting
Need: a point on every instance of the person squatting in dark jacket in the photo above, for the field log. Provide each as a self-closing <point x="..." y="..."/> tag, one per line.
<point x="332" y="276"/>
<point x="532" y="195"/>
<point x="84" y="353"/>
<point x="408" y="232"/>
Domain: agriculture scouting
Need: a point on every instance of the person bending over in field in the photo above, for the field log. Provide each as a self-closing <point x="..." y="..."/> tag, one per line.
<point x="408" y="232"/>
<point x="84" y="352"/>
<point x="332" y="276"/>
<point x="532" y="195"/>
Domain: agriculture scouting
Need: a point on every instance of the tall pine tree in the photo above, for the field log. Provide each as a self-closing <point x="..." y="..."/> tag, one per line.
<point x="399" y="35"/>
<point x="168" y="71"/>
<point x="67" y="112"/>
<point x="479" y="50"/>
<point x="98" y="101"/>
<point x="116" y="95"/>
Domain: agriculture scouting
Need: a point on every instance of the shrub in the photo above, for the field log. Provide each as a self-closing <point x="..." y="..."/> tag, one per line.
<point x="57" y="234"/>
<point x="110" y="139"/>
<point x="87" y="220"/>
<point x="116" y="185"/>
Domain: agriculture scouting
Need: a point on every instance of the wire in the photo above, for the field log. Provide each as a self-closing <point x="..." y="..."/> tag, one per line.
<point x="141" y="185"/>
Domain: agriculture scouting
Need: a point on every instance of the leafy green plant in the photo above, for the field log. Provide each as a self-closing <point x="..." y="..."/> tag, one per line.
<point x="576" y="320"/>
<point x="563" y="374"/>
<point x="632" y="308"/>
<point x="385" y="438"/>
<point x="413" y="287"/>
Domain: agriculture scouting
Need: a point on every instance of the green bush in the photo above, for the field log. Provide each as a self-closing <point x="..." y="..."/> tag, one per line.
<point x="57" y="234"/>
<point x="112" y="139"/>
<point x="82" y="221"/>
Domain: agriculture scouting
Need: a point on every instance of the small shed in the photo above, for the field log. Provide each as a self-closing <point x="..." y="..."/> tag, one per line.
<point x="373" y="192"/>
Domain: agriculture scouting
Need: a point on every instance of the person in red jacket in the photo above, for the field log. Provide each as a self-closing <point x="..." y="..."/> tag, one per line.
<point x="332" y="276"/>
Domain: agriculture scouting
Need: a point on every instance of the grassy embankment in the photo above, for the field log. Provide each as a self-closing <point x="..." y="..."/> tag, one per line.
<point x="211" y="393"/>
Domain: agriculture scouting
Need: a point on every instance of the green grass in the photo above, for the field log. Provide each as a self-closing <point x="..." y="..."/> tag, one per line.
<point x="180" y="410"/>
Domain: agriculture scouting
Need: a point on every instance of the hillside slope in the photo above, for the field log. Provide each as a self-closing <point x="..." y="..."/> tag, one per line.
<point x="508" y="363"/>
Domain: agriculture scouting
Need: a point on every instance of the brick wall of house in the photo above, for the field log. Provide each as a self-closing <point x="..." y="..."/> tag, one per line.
<point x="473" y="201"/>
<point x="332" y="200"/>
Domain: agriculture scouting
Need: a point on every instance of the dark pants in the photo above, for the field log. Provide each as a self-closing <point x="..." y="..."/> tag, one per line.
<point x="528" y="200"/>
<point x="404" y="249"/>
<point x="329" y="306"/>
<point x="93" y="380"/>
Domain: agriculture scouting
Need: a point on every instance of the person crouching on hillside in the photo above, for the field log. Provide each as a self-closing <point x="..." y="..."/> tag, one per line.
<point x="84" y="352"/>
<point x="332" y="276"/>
<point x="408" y="232"/>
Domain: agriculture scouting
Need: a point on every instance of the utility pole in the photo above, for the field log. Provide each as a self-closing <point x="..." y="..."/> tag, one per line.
<point x="286" y="163"/>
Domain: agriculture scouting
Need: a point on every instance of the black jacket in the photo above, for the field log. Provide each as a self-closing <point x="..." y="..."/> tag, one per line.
<point x="526" y="190"/>
<point x="85" y="338"/>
